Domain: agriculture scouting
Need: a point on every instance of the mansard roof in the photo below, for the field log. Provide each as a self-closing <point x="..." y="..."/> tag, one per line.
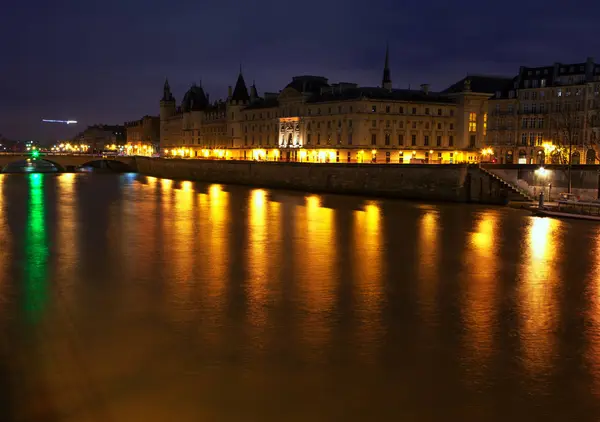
<point x="485" y="84"/>
<point x="376" y="93"/>
<point x="308" y="83"/>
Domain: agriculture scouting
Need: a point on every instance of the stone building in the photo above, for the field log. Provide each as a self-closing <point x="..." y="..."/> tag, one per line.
<point x="546" y="110"/>
<point x="313" y="120"/>
<point x="99" y="138"/>
<point x="142" y="136"/>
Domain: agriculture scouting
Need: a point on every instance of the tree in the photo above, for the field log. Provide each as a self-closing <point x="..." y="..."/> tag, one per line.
<point x="568" y="125"/>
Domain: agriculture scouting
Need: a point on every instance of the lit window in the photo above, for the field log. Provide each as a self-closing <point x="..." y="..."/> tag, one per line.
<point x="472" y="122"/>
<point x="484" y="124"/>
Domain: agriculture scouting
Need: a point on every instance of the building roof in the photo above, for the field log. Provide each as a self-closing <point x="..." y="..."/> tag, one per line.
<point x="485" y="84"/>
<point x="195" y="99"/>
<point x="240" y="92"/>
<point x="308" y="83"/>
<point x="377" y="93"/>
<point x="263" y="103"/>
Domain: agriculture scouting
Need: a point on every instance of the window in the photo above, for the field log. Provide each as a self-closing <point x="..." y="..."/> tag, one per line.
<point x="438" y="141"/>
<point x="401" y="124"/>
<point x="534" y="84"/>
<point x="387" y="138"/>
<point x="387" y="157"/>
<point x="348" y="157"/>
<point x="401" y="157"/>
<point x="542" y="108"/>
<point x="401" y="110"/>
<point x="374" y="123"/>
<point x="525" y="123"/>
<point x="539" y="139"/>
<point x="387" y="108"/>
<point x="350" y="123"/>
<point x="414" y="125"/>
<point x="373" y="139"/>
<point x="439" y="111"/>
<point x="472" y="122"/>
<point x="451" y="126"/>
<point x="414" y="110"/>
<point x="349" y="139"/>
<point x="374" y="109"/>
<point x="523" y="139"/>
<point x="484" y="124"/>
<point x="451" y="112"/>
<point x="472" y="140"/>
<point x="451" y="140"/>
<point x="543" y="83"/>
<point x="339" y="139"/>
<point x="401" y="139"/>
<point x="534" y="108"/>
<point x="426" y="110"/>
<point x="426" y="125"/>
<point x="339" y="109"/>
<point x="328" y="125"/>
<point x="318" y="139"/>
<point x="387" y="123"/>
<point x="413" y="140"/>
<point x="510" y="108"/>
<point x="439" y="126"/>
<point x="329" y="110"/>
<point x="525" y="108"/>
<point x="540" y="123"/>
<point x="531" y="139"/>
<point x="245" y="139"/>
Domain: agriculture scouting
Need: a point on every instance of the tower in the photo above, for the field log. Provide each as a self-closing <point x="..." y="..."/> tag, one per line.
<point x="167" y="102"/>
<point x="236" y="101"/>
<point x="386" y="81"/>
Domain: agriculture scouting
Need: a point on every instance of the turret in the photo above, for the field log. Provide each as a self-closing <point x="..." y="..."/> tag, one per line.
<point x="236" y="101"/>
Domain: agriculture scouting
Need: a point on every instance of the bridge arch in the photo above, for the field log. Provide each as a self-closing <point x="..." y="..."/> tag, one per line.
<point x="112" y="164"/>
<point x="5" y="163"/>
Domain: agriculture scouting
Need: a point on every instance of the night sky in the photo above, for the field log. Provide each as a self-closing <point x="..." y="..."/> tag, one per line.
<point x="105" y="62"/>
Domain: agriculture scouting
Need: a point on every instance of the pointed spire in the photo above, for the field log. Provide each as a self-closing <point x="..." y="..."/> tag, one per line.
<point x="240" y="92"/>
<point x="167" y="96"/>
<point x="386" y="82"/>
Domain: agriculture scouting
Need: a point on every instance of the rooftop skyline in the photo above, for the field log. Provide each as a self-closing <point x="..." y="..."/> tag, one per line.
<point x="107" y="63"/>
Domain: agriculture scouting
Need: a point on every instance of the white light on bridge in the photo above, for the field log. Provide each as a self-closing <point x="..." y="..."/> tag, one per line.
<point x="68" y="122"/>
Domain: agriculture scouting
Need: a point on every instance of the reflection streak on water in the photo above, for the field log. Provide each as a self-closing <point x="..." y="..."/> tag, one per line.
<point x="216" y="237"/>
<point x="593" y="333"/>
<point x="5" y="244"/>
<point x="182" y="244"/>
<point x="539" y="310"/>
<point x="428" y="264"/>
<point x="258" y="258"/>
<point x="316" y="272"/>
<point x="68" y="240"/>
<point x="480" y="289"/>
<point x="368" y="276"/>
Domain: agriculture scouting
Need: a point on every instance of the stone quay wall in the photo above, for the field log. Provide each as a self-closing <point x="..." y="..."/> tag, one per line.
<point x="446" y="182"/>
<point x="554" y="180"/>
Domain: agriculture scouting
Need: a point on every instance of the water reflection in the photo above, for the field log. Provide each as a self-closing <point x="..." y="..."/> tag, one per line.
<point x="5" y="244"/>
<point x="479" y="304"/>
<point x="258" y="258"/>
<point x="35" y="268"/>
<point x="593" y="333"/>
<point x="427" y="263"/>
<point x="537" y="294"/>
<point x="67" y="235"/>
<point x="368" y="277"/>
<point x="316" y="273"/>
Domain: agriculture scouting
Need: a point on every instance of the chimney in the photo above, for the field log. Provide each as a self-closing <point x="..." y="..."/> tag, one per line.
<point x="425" y="88"/>
<point x="229" y="92"/>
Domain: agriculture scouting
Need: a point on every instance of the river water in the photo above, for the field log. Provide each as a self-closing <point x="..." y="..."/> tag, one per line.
<point x="131" y="298"/>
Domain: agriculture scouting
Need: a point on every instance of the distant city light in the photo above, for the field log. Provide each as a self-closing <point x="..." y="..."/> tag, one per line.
<point x="68" y="122"/>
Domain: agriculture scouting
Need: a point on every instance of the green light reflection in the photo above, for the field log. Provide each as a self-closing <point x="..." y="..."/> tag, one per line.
<point x="36" y="250"/>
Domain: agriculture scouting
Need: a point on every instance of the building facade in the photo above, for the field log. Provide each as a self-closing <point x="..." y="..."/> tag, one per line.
<point x="98" y="138"/>
<point x="142" y="136"/>
<point x="546" y="111"/>
<point x="312" y="120"/>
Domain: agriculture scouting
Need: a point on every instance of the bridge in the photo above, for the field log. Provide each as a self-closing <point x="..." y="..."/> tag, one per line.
<point x="70" y="162"/>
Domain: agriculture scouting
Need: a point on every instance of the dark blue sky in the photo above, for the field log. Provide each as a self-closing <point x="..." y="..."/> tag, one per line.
<point x="106" y="62"/>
